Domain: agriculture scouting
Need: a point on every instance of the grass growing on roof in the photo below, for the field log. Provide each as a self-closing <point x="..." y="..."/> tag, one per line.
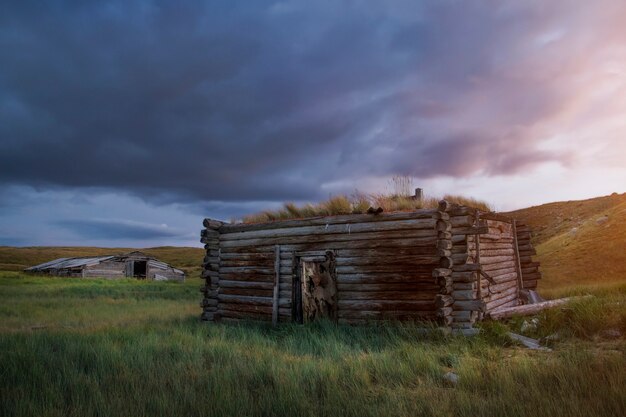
<point x="358" y="203"/>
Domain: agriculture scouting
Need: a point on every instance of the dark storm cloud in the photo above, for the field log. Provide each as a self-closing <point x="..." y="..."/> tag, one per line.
<point x="118" y="229"/>
<point x="220" y="101"/>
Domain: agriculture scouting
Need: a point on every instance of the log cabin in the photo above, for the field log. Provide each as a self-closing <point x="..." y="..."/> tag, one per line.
<point x="130" y="265"/>
<point x="451" y="265"/>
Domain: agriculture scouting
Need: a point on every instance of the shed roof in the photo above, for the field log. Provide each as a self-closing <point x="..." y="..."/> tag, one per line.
<point x="65" y="263"/>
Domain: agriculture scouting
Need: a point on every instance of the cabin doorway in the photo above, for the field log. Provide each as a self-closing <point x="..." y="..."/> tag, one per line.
<point x="139" y="269"/>
<point x="315" y="289"/>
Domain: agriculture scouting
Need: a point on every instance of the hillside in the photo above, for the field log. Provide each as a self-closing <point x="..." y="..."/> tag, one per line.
<point x="16" y="259"/>
<point x="579" y="242"/>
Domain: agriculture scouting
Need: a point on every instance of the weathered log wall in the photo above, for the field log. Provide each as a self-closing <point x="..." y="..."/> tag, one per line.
<point x="530" y="268"/>
<point x="419" y="265"/>
<point x="384" y="265"/>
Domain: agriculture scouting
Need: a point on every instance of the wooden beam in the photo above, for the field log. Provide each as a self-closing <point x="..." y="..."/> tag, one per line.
<point x="530" y="309"/>
<point x="518" y="265"/>
<point x="276" y="285"/>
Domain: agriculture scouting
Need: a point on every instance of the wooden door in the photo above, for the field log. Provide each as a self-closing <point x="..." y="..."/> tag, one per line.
<point x="318" y="288"/>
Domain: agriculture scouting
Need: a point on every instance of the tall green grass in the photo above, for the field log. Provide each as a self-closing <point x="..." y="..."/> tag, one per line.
<point x="139" y="350"/>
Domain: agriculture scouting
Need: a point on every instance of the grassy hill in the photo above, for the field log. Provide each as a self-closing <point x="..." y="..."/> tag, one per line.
<point x="579" y="242"/>
<point x="16" y="259"/>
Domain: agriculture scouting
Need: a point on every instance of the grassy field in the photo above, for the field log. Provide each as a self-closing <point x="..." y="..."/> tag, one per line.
<point x="73" y="347"/>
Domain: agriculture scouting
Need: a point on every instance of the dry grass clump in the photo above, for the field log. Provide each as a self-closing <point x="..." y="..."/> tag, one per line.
<point x="468" y="201"/>
<point x="359" y="203"/>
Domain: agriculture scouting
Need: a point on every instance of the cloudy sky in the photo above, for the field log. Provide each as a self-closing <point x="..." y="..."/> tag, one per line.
<point x="124" y="123"/>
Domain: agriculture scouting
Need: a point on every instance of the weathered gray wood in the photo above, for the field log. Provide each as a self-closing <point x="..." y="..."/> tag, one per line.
<point x="352" y="240"/>
<point x="530" y="309"/>
<point x="518" y="266"/>
<point x="442" y="301"/>
<point x="275" y="299"/>
<point x="464" y="295"/>
<point x="474" y="305"/>
<point x="330" y="220"/>
<point x="376" y="305"/>
<point x="212" y="224"/>
<point x="375" y="315"/>
<point x="332" y="229"/>
<point x="388" y="295"/>
<point x="385" y="277"/>
<point x="410" y="288"/>
<point x="260" y="301"/>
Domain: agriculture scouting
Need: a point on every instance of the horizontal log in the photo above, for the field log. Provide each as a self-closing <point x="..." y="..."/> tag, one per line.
<point x="430" y="250"/>
<point x="208" y="302"/>
<point x="466" y="285"/>
<point x="464" y="295"/>
<point x="498" y="266"/>
<point x="250" y="292"/>
<point x="466" y="268"/>
<point x="527" y="252"/>
<point x="460" y="258"/>
<point x="531" y="276"/>
<point x="468" y="316"/>
<point x="328" y="220"/>
<point x="509" y="300"/>
<point x="384" y="278"/>
<point x="331" y="229"/>
<point x="259" y="263"/>
<point x="459" y="239"/>
<point x="258" y="301"/>
<point x="377" y="305"/>
<point x="530" y="309"/>
<point x="462" y="221"/>
<point x="410" y="287"/>
<point x="487" y="260"/>
<point x="212" y="224"/>
<point x="470" y="230"/>
<point x="474" y="305"/>
<point x="512" y="276"/>
<point x="468" y="276"/>
<point x="428" y="260"/>
<point x="224" y="256"/>
<point x="504" y="292"/>
<point x="530" y="284"/>
<point x="529" y="270"/>
<point x="501" y="238"/>
<point x="385" y="315"/>
<point x="369" y="269"/>
<point x="487" y="287"/>
<point x="247" y="277"/>
<point x="387" y="295"/>
<point x="352" y="240"/>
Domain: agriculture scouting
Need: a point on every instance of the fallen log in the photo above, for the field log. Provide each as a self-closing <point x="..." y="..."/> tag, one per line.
<point x="530" y="309"/>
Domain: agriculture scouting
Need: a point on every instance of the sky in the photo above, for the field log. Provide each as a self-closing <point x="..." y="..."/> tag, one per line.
<point x="125" y="123"/>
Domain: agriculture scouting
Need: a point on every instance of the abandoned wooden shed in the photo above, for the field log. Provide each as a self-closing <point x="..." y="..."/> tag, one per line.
<point x="130" y="265"/>
<point x="452" y="264"/>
